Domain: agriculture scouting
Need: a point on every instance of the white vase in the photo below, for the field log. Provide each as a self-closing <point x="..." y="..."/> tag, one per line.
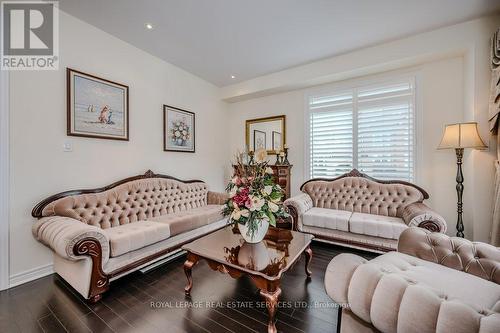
<point x="258" y="235"/>
<point x="254" y="256"/>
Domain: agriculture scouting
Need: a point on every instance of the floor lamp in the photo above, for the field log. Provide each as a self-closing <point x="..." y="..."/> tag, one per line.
<point x="459" y="137"/>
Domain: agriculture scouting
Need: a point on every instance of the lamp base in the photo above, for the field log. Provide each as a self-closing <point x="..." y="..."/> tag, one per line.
<point x="460" y="191"/>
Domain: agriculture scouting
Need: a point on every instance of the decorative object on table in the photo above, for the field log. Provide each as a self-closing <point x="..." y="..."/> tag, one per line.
<point x="494" y="112"/>
<point x="259" y="140"/>
<point x="272" y="128"/>
<point x="254" y="198"/>
<point x="178" y="130"/>
<point x="460" y="136"/>
<point x="282" y="157"/>
<point x="285" y="160"/>
<point x="276" y="140"/>
<point x="277" y="162"/>
<point x="96" y="107"/>
<point x="251" y="159"/>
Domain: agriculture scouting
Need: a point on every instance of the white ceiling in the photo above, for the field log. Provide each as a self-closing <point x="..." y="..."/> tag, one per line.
<point x="215" y="39"/>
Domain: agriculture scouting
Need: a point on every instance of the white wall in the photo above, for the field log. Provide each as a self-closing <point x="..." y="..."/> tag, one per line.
<point x="39" y="167"/>
<point x="453" y="83"/>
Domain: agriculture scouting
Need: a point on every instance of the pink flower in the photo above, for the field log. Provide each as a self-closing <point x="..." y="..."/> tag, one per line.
<point x="236" y="180"/>
<point x="241" y="197"/>
<point x="248" y="203"/>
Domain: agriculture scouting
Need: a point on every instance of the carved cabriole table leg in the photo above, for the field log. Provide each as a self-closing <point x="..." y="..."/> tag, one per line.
<point x="271" y="299"/>
<point x="270" y="291"/>
<point x="309" y="254"/>
<point x="191" y="260"/>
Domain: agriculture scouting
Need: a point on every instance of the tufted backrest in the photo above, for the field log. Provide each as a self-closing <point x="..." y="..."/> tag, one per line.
<point x="361" y="195"/>
<point x="479" y="259"/>
<point x="130" y="202"/>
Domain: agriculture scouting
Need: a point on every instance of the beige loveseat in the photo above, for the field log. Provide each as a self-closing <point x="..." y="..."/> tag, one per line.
<point x="362" y="212"/>
<point x="101" y="234"/>
<point x="434" y="283"/>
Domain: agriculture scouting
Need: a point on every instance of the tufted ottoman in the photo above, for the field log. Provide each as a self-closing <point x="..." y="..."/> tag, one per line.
<point x="434" y="283"/>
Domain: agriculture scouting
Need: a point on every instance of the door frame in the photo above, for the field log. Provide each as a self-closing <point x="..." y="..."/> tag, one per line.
<point x="4" y="179"/>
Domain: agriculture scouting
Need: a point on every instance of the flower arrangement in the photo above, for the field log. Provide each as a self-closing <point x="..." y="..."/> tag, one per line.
<point x="254" y="197"/>
<point x="179" y="133"/>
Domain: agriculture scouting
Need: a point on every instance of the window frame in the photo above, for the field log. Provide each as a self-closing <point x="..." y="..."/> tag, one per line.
<point x="353" y="85"/>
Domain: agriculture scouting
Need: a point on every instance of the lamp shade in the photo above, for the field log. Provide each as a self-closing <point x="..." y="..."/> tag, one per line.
<point x="462" y="135"/>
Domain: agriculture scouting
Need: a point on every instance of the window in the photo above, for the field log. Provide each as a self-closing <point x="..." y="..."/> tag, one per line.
<point x="370" y="128"/>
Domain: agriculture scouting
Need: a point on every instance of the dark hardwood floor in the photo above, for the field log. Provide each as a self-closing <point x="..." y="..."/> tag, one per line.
<point x="155" y="302"/>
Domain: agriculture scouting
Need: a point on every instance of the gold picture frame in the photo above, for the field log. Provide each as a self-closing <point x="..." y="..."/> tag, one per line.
<point x="267" y="125"/>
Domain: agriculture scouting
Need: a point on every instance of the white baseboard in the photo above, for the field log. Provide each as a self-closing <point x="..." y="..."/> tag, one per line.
<point x="30" y="275"/>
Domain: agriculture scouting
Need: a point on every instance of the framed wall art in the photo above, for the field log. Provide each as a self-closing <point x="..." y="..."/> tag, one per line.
<point x="178" y="130"/>
<point x="268" y="133"/>
<point x="259" y="140"/>
<point x="97" y="108"/>
<point x="277" y="141"/>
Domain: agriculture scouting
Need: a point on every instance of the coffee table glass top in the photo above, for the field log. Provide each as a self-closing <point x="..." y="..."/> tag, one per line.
<point x="269" y="258"/>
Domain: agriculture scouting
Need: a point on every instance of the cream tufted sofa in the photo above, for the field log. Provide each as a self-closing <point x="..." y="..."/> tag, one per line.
<point x="361" y="212"/>
<point x="434" y="283"/>
<point x="101" y="234"/>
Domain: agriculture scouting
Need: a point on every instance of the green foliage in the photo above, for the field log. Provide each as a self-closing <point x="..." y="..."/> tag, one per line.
<point x="254" y="196"/>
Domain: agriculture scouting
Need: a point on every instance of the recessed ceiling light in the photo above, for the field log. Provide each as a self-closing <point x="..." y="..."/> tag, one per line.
<point x="233" y="77"/>
<point x="149" y="26"/>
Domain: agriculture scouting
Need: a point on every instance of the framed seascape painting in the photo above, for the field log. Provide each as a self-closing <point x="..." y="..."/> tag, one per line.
<point x="178" y="130"/>
<point x="259" y="140"/>
<point x="97" y="108"/>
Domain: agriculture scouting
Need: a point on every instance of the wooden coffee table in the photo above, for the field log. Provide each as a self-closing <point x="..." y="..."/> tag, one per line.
<point x="265" y="262"/>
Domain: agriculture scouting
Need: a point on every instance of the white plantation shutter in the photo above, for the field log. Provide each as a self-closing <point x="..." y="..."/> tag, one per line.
<point x="368" y="128"/>
<point x="331" y="139"/>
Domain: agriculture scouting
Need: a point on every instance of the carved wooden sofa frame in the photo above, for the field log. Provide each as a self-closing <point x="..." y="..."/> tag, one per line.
<point x="91" y="247"/>
<point x="434" y="224"/>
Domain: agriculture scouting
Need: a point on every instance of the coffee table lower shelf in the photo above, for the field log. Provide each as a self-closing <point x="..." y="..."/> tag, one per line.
<point x="269" y="288"/>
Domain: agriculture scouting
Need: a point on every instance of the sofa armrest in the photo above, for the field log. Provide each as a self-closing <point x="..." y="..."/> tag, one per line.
<point x="338" y="276"/>
<point x="216" y="198"/>
<point x="70" y="238"/>
<point x="297" y="206"/>
<point x="419" y="215"/>
<point x="480" y="259"/>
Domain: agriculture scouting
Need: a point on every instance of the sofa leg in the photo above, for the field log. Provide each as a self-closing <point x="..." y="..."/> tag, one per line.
<point x="95" y="299"/>
<point x="339" y="318"/>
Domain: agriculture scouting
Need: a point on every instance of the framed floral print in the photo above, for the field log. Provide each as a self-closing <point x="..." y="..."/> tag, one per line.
<point x="178" y="130"/>
<point x="97" y="108"/>
<point x="259" y="140"/>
